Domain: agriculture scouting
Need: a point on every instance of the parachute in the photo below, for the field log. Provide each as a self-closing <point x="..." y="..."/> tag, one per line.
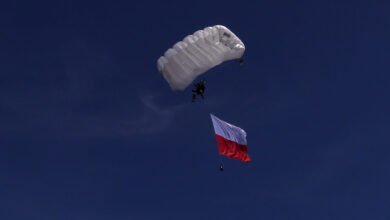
<point x="198" y="53"/>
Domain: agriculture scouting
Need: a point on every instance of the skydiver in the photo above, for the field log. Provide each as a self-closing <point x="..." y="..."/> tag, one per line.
<point x="199" y="90"/>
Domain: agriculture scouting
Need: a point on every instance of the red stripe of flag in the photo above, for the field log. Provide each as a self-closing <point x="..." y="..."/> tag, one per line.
<point x="232" y="149"/>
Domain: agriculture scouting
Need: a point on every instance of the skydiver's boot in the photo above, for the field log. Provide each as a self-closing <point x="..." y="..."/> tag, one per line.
<point x="221" y="168"/>
<point x="241" y="61"/>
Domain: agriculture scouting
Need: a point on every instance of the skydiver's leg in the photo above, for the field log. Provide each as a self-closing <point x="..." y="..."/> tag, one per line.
<point x="201" y="95"/>
<point x="193" y="97"/>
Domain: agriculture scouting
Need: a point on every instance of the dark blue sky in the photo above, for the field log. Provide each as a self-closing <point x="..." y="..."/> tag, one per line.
<point x="90" y="130"/>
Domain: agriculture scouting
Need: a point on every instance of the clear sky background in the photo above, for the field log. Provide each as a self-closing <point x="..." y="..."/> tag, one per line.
<point x="89" y="129"/>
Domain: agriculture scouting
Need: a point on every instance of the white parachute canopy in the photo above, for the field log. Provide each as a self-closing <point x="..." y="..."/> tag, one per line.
<point x="198" y="53"/>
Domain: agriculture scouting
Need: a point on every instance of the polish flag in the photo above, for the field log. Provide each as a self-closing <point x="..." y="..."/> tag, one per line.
<point x="231" y="140"/>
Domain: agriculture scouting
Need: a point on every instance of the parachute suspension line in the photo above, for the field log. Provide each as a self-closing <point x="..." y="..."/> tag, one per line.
<point x="241" y="61"/>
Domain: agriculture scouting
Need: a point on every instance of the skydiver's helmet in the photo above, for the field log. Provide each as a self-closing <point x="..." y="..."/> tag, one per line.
<point x="202" y="84"/>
